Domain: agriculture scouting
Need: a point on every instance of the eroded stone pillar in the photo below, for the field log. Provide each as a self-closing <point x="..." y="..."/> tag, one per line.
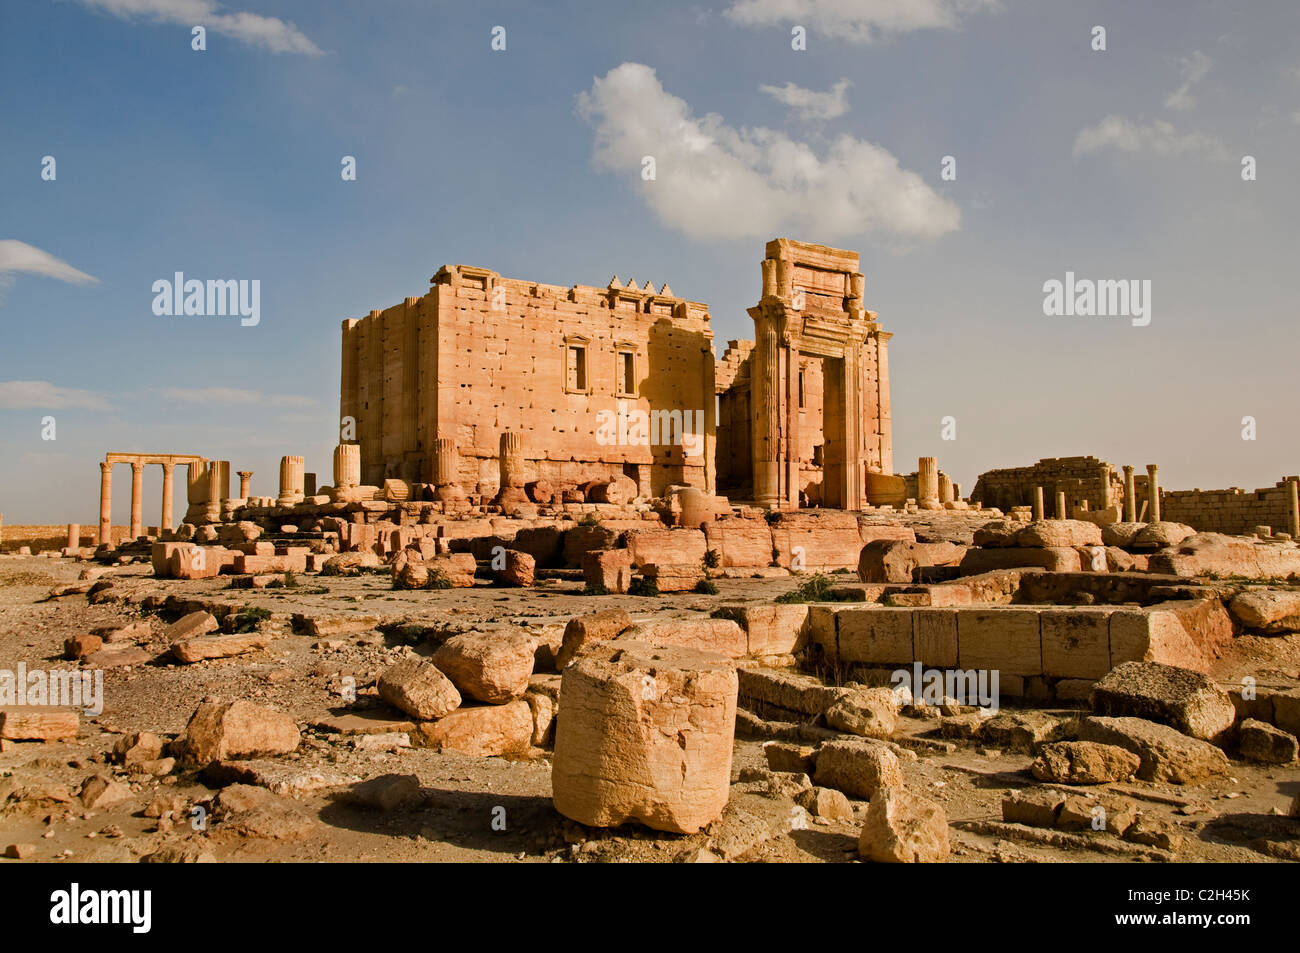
<point x="945" y="488"/>
<point x="137" y="500"/>
<point x="347" y="465"/>
<point x="291" y="480"/>
<point x="1130" y="497"/>
<point x="1038" y="503"/>
<point x="512" y="459"/>
<point x="1293" y="507"/>
<point x="74" y="535"/>
<point x="169" y="478"/>
<point x="446" y="462"/>
<point x="1060" y="506"/>
<point x="1153" y="493"/>
<point x="106" y="504"/>
<point x="927" y="483"/>
<point x="245" y="483"/>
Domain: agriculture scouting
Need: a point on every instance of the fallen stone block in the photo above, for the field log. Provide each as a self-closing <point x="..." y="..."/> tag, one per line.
<point x="713" y="635"/>
<point x="858" y="768"/>
<point x="419" y="689"/>
<point x="904" y="828"/>
<point x="645" y="734"/>
<point x="388" y="792"/>
<point x="1182" y="699"/>
<point x="490" y="667"/>
<point x="520" y="570"/>
<point x="191" y="626"/>
<point x="221" y="645"/>
<point x="584" y="631"/>
<point x="1084" y="762"/>
<point x="1036" y="807"/>
<point x="38" y="724"/>
<point x="869" y="713"/>
<point x="608" y="569"/>
<point x="1267" y="610"/>
<point x="221" y="730"/>
<point x="481" y="731"/>
<point x="1166" y="754"/>
<point x="1265" y="744"/>
<point x="1058" y="533"/>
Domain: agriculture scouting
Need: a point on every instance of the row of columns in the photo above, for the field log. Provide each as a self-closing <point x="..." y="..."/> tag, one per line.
<point x="1130" y="496"/>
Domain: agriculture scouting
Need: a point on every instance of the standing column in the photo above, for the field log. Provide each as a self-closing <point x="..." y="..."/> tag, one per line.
<point x="169" y="472"/>
<point x="245" y="483"/>
<point x="1153" y="493"/>
<point x="291" y="480"/>
<point x="1130" y="497"/>
<point x="512" y="459"/>
<point x="1293" y="507"/>
<point x="765" y="383"/>
<point x="945" y="488"/>
<point x="1060" y="505"/>
<point x="106" y="504"/>
<point x="74" y="535"/>
<point x="1038" y="503"/>
<point x="137" y="500"/>
<point x="446" y="470"/>
<point x="347" y="465"/>
<point x="927" y="483"/>
<point x="1103" y="482"/>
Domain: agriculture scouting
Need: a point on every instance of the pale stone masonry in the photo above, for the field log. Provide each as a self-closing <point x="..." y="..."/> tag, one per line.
<point x="481" y="354"/>
<point x="804" y="410"/>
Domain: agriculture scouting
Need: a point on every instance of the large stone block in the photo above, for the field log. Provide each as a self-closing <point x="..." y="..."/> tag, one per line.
<point x="1076" y="642"/>
<point x="1059" y="533"/>
<point x="666" y="547"/>
<point x="419" y="689"/>
<point x="223" y="730"/>
<point x="1182" y="699"/>
<point x="1166" y="754"/>
<point x="1054" y="559"/>
<point x="585" y="631"/>
<point x="1007" y="640"/>
<point x="482" y="731"/>
<point x="817" y="541"/>
<point x="934" y="637"/>
<point x="714" y="635"/>
<point x="771" y="629"/>
<point x="491" y="667"/>
<point x="878" y="636"/>
<point x="645" y="733"/>
<point x="739" y="542"/>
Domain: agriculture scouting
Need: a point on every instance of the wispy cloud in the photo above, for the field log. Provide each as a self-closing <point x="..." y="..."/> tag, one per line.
<point x="1155" y="138"/>
<point x="270" y="33"/>
<point x="714" y="181"/>
<point x="858" y="21"/>
<point x="44" y="395"/>
<point x="232" y="395"/>
<point x="1192" y="69"/>
<point x="810" y="104"/>
<point x="19" y="258"/>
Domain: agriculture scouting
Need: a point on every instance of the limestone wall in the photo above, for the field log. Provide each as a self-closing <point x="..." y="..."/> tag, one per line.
<point x="481" y="354"/>
<point x="1078" y="477"/>
<point x="1234" y="510"/>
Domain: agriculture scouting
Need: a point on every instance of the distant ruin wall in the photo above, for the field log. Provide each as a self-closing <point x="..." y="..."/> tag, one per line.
<point x="1234" y="510"/>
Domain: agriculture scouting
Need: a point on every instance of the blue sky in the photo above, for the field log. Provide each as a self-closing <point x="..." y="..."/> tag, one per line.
<point x="1122" y="164"/>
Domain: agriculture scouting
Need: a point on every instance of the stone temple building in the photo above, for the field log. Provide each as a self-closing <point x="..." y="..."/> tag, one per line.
<point x="590" y="384"/>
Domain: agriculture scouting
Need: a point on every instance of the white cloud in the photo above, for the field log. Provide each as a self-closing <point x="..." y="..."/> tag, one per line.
<point x="43" y="395"/>
<point x="857" y="21"/>
<point x="232" y="395"/>
<point x="810" y="104"/>
<point x="714" y="181"/>
<point x="1157" y="138"/>
<point x="254" y="29"/>
<point x="1192" y="69"/>
<point x="20" y="258"/>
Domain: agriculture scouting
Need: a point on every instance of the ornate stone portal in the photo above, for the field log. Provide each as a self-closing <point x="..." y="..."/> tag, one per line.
<point x="812" y="305"/>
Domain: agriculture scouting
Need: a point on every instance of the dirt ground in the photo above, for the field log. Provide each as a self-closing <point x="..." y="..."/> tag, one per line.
<point x="460" y="817"/>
